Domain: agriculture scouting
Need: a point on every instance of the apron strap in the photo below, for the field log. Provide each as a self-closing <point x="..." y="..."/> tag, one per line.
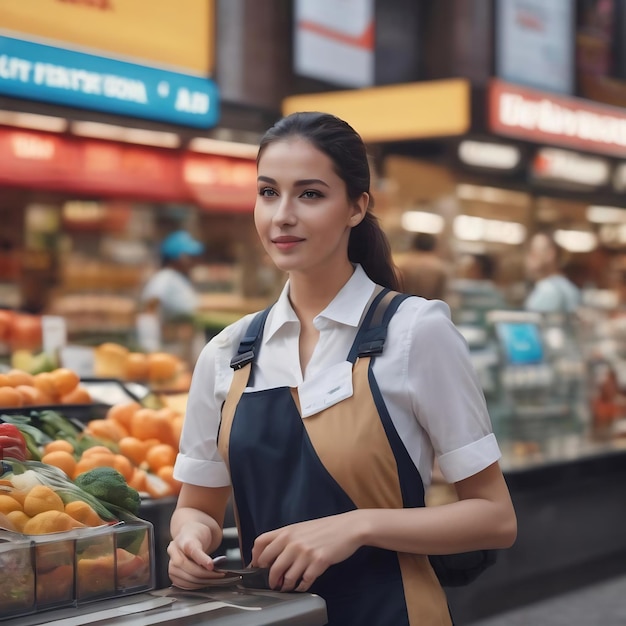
<point x="249" y="346"/>
<point x="370" y="340"/>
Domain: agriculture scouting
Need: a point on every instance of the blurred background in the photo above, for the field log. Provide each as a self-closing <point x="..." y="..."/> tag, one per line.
<point x="487" y="121"/>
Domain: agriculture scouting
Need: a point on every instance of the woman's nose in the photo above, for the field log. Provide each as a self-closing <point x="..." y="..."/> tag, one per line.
<point x="285" y="212"/>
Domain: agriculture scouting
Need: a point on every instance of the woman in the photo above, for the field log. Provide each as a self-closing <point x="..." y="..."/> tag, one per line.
<point x="327" y="473"/>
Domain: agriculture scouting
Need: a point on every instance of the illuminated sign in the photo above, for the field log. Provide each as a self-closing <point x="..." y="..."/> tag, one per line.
<point x="552" y="164"/>
<point x="537" y="116"/>
<point x="489" y="155"/>
<point x="45" y="73"/>
<point x="165" y="33"/>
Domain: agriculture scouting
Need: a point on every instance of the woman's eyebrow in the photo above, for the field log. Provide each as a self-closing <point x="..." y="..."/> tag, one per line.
<point x="299" y="183"/>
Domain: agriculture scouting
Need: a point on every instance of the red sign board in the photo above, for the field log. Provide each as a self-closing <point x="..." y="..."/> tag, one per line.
<point x="545" y="118"/>
<point x="116" y="170"/>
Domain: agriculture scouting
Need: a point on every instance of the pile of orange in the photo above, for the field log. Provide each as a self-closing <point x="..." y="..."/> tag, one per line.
<point x="40" y="510"/>
<point x="60" y="386"/>
<point x="146" y="441"/>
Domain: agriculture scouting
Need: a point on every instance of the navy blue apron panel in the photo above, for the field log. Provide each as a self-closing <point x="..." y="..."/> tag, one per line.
<point x="289" y="484"/>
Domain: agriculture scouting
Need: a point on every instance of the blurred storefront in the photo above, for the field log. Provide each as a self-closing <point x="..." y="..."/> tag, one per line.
<point x="483" y="162"/>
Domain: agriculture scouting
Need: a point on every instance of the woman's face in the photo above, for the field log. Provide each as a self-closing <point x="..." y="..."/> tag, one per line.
<point x="303" y="214"/>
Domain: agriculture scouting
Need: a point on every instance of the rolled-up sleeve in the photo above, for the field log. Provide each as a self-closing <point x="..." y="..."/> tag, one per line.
<point x="447" y="397"/>
<point x="198" y="461"/>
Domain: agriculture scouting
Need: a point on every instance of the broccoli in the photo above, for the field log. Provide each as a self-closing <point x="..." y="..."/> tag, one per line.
<point x="109" y="486"/>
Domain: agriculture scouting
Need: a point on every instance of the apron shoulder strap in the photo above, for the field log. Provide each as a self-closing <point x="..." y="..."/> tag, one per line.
<point x="249" y="345"/>
<point x="370" y="339"/>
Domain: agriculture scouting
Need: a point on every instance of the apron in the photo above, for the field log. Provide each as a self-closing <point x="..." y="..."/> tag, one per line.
<point x="285" y="469"/>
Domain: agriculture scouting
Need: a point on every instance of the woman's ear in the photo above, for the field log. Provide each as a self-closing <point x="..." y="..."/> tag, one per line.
<point x="359" y="209"/>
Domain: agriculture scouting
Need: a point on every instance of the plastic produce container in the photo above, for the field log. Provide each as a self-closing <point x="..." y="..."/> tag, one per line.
<point x="40" y="572"/>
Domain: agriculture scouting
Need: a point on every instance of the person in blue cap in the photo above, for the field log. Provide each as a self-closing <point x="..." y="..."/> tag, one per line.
<point x="169" y="292"/>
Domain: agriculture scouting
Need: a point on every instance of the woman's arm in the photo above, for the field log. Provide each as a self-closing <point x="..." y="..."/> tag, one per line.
<point x="196" y="530"/>
<point x="482" y="518"/>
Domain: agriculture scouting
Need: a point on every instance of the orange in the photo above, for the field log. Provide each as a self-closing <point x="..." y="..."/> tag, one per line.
<point x="10" y="397"/>
<point x="149" y="424"/>
<point x="123" y="465"/>
<point x="78" y="395"/>
<point x="45" y="383"/>
<point x="18" y="519"/>
<point x="19" y="377"/>
<point x="106" y="429"/>
<point x="160" y="455"/>
<point x="162" y="366"/>
<point x="42" y="498"/>
<point x="9" y="504"/>
<point x="96" y="450"/>
<point x="135" y="449"/>
<point x="136" y="366"/>
<point x="31" y="396"/>
<point x="122" y="413"/>
<point x="4" y="380"/>
<point x="138" y="479"/>
<point x="62" y="459"/>
<point x="65" y="380"/>
<point x="51" y="521"/>
<point x="58" y="444"/>
<point x="177" y="429"/>
<point x="92" y="461"/>
<point x="82" y="512"/>
<point x="167" y="474"/>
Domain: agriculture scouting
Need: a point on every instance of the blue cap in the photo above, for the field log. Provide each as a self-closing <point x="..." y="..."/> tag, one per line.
<point x="178" y="243"/>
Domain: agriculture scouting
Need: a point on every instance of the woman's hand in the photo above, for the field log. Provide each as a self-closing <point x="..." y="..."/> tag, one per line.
<point x="299" y="553"/>
<point x="190" y="566"/>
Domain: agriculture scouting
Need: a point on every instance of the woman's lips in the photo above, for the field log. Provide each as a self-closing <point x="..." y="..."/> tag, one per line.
<point x="286" y="243"/>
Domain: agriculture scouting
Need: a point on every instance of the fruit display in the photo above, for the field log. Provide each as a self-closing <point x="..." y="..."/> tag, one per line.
<point x="20" y="331"/>
<point x="19" y="388"/>
<point x="159" y="370"/>
<point x="60" y="545"/>
<point x="139" y="443"/>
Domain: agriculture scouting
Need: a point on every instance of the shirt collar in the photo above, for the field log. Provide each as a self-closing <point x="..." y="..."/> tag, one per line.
<point x="346" y="307"/>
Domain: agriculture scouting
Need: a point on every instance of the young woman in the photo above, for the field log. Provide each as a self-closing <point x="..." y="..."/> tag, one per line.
<point x="328" y="458"/>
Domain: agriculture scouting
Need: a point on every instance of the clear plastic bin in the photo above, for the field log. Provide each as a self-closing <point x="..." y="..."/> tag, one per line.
<point x="40" y="572"/>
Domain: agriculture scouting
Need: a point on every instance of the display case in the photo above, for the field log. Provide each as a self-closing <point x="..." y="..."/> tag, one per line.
<point x="41" y="572"/>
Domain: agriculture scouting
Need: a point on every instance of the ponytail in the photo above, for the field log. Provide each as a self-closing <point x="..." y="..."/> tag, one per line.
<point x="369" y="246"/>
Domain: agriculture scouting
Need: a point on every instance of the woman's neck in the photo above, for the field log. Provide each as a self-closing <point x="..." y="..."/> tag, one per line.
<point x="311" y="293"/>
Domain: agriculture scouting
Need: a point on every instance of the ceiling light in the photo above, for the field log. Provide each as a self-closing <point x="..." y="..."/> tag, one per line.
<point x="471" y="228"/>
<point x="576" y="240"/>
<point x="143" y="136"/>
<point x="422" y="222"/>
<point x="208" y="145"/>
<point x="33" y="121"/>
<point x="606" y="214"/>
<point x="486" y="154"/>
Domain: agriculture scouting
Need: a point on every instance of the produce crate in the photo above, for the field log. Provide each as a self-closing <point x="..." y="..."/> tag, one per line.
<point x="40" y="572"/>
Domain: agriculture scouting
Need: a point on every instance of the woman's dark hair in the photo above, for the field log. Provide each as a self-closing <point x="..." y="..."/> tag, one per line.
<point x="368" y="244"/>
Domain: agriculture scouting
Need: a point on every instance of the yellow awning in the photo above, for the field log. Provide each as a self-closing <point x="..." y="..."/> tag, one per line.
<point x="395" y="112"/>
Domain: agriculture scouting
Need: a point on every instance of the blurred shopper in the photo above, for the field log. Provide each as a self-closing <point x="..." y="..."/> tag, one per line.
<point x="169" y="291"/>
<point x="327" y="454"/>
<point x="552" y="291"/>
<point x="424" y="272"/>
<point x="169" y="300"/>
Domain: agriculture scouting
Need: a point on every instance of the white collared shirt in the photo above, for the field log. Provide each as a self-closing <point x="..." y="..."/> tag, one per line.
<point x="425" y="376"/>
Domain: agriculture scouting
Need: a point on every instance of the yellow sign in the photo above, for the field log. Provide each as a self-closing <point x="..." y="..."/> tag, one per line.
<point x="177" y="34"/>
<point x="396" y="112"/>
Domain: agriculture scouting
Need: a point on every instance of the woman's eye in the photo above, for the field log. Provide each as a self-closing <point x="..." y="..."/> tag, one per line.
<point x="267" y="192"/>
<point x="310" y="195"/>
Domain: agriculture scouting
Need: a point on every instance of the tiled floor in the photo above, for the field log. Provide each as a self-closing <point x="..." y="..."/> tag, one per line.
<point x="602" y="604"/>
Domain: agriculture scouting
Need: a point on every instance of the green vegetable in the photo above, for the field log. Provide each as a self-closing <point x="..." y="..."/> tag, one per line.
<point x="109" y="486"/>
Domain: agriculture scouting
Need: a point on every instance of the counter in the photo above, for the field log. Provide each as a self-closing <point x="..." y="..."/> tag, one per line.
<point x="570" y="513"/>
<point x="215" y="607"/>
